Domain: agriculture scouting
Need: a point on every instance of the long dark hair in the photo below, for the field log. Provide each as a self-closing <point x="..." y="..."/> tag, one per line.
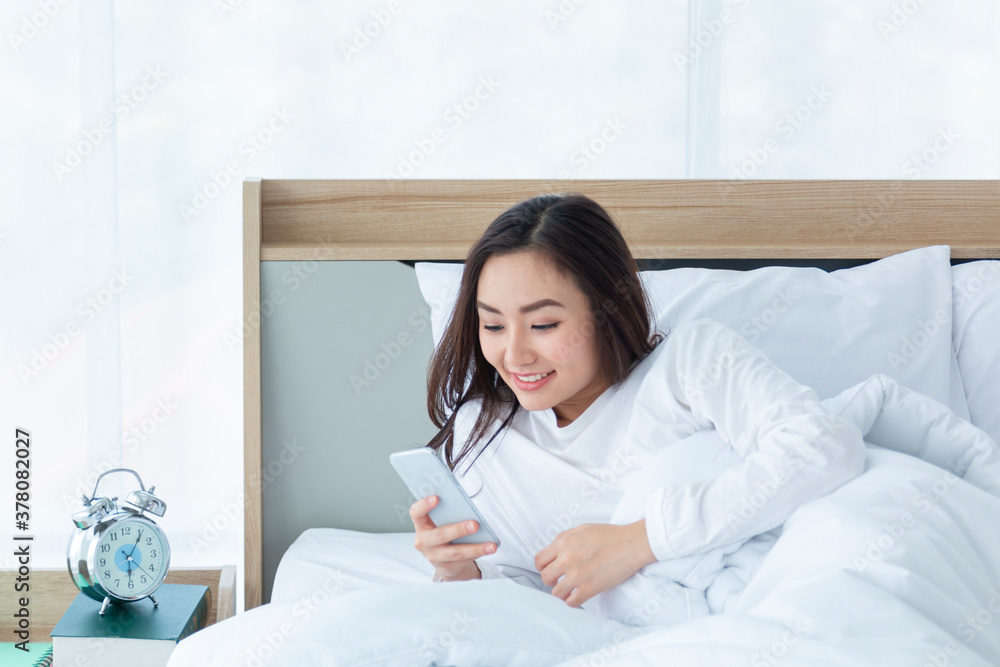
<point x="585" y="244"/>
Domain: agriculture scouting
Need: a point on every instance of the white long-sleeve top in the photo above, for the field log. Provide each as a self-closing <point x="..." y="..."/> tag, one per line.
<point x="536" y="479"/>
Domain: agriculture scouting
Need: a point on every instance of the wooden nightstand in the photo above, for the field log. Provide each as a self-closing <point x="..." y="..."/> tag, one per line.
<point x="52" y="591"/>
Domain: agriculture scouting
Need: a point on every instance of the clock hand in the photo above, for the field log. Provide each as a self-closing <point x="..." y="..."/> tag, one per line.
<point x="145" y="573"/>
<point x="136" y="543"/>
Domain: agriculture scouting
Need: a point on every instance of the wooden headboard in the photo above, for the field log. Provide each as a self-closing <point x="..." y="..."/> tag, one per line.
<point x="683" y="219"/>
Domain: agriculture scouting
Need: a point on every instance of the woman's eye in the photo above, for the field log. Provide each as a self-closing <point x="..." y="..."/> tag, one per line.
<point x="540" y="327"/>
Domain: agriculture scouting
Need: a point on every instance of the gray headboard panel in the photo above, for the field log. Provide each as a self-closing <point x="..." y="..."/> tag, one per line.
<point x="344" y="357"/>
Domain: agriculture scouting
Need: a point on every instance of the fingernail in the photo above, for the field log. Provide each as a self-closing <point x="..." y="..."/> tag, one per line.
<point x="468" y="526"/>
<point x="489" y="549"/>
<point x="430" y="500"/>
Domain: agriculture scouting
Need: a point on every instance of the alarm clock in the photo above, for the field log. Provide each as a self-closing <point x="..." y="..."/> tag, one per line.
<point x="117" y="553"/>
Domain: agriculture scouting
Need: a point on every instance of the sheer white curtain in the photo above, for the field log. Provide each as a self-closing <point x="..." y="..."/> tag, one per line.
<point x="127" y="128"/>
<point x="890" y="89"/>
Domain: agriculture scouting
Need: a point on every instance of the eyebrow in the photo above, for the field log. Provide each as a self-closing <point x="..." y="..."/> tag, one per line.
<point x="524" y="309"/>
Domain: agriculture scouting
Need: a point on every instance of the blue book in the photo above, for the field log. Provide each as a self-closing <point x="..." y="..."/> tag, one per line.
<point x="133" y="634"/>
<point x="38" y="654"/>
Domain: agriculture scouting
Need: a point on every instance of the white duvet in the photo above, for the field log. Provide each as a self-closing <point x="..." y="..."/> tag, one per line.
<point x="900" y="566"/>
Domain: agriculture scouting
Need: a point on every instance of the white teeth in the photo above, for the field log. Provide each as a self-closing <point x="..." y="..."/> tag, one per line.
<point x="533" y="378"/>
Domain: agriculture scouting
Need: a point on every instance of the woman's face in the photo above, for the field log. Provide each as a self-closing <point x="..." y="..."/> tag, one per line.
<point x="555" y="336"/>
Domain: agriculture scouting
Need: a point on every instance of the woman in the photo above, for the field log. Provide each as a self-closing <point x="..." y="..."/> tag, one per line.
<point x="550" y="346"/>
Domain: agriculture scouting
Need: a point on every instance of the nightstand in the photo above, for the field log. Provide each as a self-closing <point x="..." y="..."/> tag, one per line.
<point x="52" y="591"/>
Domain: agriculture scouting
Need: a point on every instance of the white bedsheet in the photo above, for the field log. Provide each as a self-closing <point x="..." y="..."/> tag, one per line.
<point x="900" y="566"/>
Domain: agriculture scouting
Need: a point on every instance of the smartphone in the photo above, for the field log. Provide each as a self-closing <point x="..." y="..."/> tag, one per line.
<point x="425" y="474"/>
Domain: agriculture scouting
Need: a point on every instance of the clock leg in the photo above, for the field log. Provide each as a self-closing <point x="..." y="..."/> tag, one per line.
<point x="154" y="600"/>
<point x="104" y="605"/>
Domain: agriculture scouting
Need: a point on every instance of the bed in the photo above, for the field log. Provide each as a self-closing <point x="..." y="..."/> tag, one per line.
<point x="899" y="566"/>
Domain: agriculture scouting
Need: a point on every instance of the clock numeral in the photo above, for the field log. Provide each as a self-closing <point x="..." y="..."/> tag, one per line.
<point x="107" y="574"/>
<point x="102" y="562"/>
<point x="114" y="536"/>
<point x="105" y="548"/>
<point x="126" y="530"/>
<point x="117" y="581"/>
<point x="152" y="553"/>
<point x="142" y="579"/>
<point x="131" y="584"/>
<point x="152" y="567"/>
<point x="149" y="540"/>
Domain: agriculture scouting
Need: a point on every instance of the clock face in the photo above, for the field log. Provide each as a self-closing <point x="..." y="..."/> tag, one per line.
<point x="131" y="558"/>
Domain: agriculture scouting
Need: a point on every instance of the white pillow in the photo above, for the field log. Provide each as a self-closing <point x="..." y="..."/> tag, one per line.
<point x="976" y="323"/>
<point x="350" y="559"/>
<point x="439" y="284"/>
<point x="828" y="330"/>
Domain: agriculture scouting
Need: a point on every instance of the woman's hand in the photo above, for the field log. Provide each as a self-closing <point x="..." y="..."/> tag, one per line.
<point x="452" y="562"/>
<point x="593" y="557"/>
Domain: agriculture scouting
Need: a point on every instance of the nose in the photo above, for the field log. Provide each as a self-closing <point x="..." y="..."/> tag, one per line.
<point x="518" y="353"/>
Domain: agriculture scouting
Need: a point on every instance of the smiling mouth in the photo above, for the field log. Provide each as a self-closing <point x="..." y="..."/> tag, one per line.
<point x="532" y="378"/>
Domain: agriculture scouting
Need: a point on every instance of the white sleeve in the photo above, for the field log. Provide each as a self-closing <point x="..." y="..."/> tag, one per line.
<point x="518" y="575"/>
<point x="794" y="451"/>
<point x="488" y="571"/>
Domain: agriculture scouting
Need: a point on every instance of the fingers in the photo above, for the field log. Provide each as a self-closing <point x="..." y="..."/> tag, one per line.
<point x="442" y="535"/>
<point x="455" y="530"/>
<point x="569" y="592"/>
<point x="549" y="576"/>
<point x="419" y="510"/>
<point x="436" y="538"/>
<point x="449" y="553"/>
<point x="576" y="598"/>
<point x="544" y="557"/>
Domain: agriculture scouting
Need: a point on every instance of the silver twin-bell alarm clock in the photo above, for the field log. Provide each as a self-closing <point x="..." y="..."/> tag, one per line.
<point x="117" y="553"/>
